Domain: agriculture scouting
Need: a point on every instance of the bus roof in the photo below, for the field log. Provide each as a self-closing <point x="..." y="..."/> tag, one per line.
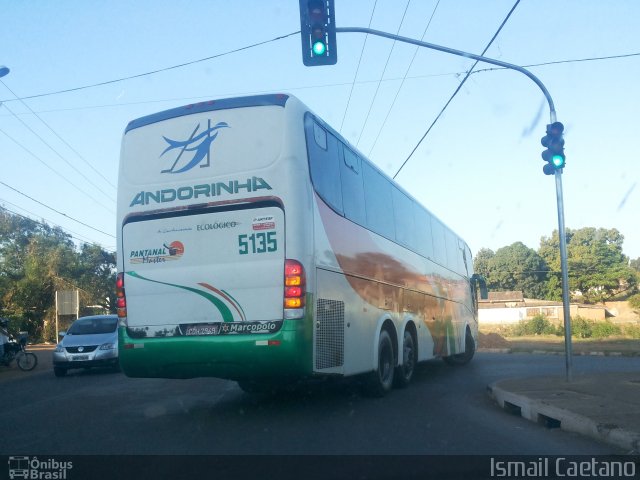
<point x="278" y="99"/>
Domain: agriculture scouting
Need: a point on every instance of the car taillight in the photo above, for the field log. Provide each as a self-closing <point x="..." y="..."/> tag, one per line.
<point x="121" y="299"/>
<point x="294" y="288"/>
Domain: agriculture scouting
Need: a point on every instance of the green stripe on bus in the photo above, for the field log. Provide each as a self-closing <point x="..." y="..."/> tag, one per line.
<point x="227" y="316"/>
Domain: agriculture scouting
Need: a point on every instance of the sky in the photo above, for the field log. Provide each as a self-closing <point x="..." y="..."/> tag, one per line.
<point x="478" y="169"/>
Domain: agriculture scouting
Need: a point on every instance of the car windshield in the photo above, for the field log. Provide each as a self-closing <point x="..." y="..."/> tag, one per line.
<point x="91" y="326"/>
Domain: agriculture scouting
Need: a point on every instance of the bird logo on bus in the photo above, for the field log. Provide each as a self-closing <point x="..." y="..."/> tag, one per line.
<point x="196" y="150"/>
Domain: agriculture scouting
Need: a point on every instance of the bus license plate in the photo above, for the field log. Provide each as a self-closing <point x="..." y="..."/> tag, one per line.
<point x="202" y="330"/>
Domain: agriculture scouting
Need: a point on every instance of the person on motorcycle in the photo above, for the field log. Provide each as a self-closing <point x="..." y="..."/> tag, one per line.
<point x="4" y="336"/>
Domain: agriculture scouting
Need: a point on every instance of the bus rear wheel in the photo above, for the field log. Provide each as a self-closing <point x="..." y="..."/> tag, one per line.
<point x="404" y="372"/>
<point x="380" y="381"/>
<point x="466" y="356"/>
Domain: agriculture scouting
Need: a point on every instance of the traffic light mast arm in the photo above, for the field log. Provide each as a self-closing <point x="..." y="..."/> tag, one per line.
<point x="459" y="53"/>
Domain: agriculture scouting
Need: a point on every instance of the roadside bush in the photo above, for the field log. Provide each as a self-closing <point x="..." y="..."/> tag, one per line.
<point x="634" y="302"/>
<point x="604" y="329"/>
<point x="538" y="325"/>
<point x="632" y="331"/>
<point x="581" y="328"/>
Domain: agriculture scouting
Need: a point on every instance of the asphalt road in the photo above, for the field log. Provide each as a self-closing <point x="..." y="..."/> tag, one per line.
<point x="446" y="410"/>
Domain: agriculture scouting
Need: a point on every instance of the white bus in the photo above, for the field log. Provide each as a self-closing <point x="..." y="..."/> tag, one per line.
<point x="255" y="244"/>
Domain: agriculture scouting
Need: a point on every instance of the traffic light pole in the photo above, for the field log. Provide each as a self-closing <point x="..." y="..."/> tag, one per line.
<point x="558" y="174"/>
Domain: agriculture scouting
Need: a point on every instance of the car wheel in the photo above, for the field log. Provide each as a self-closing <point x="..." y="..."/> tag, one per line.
<point x="59" y="371"/>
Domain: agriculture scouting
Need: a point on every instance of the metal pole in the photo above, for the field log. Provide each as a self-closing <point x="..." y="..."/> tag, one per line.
<point x="558" y="175"/>
<point x="565" y="278"/>
<point x="57" y="331"/>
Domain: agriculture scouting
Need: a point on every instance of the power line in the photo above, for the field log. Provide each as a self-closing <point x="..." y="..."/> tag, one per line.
<point x="185" y="64"/>
<point x="358" y="67"/>
<point x="375" y="95"/>
<point x="54" y="150"/>
<point x="415" y="53"/>
<point x="54" y="210"/>
<point x="459" y="87"/>
<point x="71" y="233"/>
<point x="322" y="85"/>
<point x="54" y="171"/>
<point x="56" y="134"/>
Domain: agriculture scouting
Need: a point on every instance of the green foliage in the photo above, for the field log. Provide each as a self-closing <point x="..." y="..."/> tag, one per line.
<point x="538" y="325"/>
<point x="583" y="328"/>
<point x="37" y="260"/>
<point x="634" y="301"/>
<point x="580" y="328"/>
<point x="632" y="331"/>
<point x="605" y="329"/>
<point x="513" y="268"/>
<point x="597" y="267"/>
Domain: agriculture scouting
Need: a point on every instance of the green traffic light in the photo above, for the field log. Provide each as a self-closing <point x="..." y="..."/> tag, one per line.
<point x="558" y="161"/>
<point x="319" y="48"/>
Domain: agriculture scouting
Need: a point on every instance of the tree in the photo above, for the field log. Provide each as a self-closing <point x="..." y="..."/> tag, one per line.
<point x="36" y="261"/>
<point x="96" y="276"/>
<point x="482" y="262"/>
<point x="513" y="268"/>
<point x="597" y="267"/>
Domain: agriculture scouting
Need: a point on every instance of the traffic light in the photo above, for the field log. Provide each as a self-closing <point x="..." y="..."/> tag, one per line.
<point x="318" y="32"/>
<point x="554" y="153"/>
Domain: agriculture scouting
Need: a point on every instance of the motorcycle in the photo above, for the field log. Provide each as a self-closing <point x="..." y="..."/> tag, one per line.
<point x="16" y="350"/>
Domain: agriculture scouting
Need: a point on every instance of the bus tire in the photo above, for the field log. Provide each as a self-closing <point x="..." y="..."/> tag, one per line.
<point x="380" y="381"/>
<point x="404" y="373"/>
<point x="463" y="358"/>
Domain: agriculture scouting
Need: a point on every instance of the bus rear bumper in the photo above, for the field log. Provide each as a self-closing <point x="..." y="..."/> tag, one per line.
<point x="285" y="353"/>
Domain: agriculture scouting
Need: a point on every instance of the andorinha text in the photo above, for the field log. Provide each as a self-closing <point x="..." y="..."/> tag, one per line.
<point x="205" y="190"/>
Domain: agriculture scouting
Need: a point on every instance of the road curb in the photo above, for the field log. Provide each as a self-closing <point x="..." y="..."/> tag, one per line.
<point x="555" y="417"/>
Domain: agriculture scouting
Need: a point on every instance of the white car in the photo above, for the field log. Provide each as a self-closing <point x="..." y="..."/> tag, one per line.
<point x="89" y="342"/>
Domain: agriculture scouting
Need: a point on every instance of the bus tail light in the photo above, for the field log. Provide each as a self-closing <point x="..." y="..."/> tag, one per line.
<point x="121" y="299"/>
<point x="294" y="289"/>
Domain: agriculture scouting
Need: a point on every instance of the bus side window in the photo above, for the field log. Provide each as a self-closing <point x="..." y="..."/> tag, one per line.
<point x="320" y="136"/>
<point x="439" y="247"/>
<point x="377" y="198"/>
<point x="322" y="148"/>
<point x="352" y="187"/>
<point x="403" y="215"/>
<point x="424" y="239"/>
<point x="453" y="251"/>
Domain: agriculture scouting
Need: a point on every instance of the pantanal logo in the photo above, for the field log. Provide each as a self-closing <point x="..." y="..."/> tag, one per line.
<point x="173" y="251"/>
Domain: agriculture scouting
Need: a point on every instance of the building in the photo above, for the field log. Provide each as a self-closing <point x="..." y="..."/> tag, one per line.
<point x="503" y="308"/>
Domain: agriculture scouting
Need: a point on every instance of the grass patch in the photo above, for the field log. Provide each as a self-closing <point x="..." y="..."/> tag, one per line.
<point x="580" y="328"/>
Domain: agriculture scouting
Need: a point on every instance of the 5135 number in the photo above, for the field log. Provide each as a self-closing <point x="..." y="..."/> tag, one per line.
<point x="261" y="242"/>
